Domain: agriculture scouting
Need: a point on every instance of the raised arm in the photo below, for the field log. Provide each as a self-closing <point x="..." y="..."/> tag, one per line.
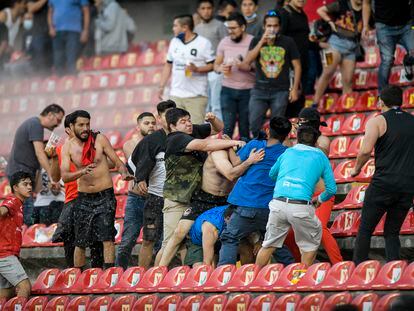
<point x="35" y="6"/>
<point x="216" y="124"/>
<point x="212" y="144"/>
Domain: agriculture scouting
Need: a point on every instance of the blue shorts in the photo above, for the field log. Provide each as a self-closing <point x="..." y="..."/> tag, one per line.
<point x="344" y="47"/>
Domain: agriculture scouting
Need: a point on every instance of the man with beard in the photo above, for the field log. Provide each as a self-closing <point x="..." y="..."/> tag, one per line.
<point x="95" y="212"/>
<point x="135" y="202"/>
<point x="235" y="93"/>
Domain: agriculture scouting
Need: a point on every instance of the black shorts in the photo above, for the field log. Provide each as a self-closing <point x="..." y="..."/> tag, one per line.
<point x="153" y="218"/>
<point x="202" y="201"/>
<point x="94" y="218"/>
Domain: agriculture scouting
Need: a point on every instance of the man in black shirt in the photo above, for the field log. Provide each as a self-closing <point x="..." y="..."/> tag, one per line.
<point x="273" y="55"/>
<point x="393" y="25"/>
<point x="392" y="187"/>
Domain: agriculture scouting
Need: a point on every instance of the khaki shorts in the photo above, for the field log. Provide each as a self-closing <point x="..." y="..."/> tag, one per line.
<point x="172" y="211"/>
<point x="302" y="219"/>
<point x="11" y="272"/>
<point x="196" y="106"/>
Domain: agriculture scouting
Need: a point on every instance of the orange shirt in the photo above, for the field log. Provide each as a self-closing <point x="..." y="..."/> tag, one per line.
<point x="71" y="188"/>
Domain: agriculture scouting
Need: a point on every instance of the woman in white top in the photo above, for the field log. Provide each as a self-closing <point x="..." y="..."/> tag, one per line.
<point x="12" y="18"/>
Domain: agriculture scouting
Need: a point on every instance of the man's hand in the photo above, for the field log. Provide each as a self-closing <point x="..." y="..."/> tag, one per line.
<point x="365" y="32"/>
<point x="51" y="152"/>
<point x="161" y="93"/>
<point x="142" y="187"/>
<point x="210" y="117"/>
<point x="87" y="170"/>
<point x="316" y="202"/>
<point x="84" y="36"/>
<point x="256" y="156"/>
<point x="52" y="32"/>
<point x="191" y="67"/>
<point x="239" y="144"/>
<point x="355" y="172"/>
<point x="225" y="68"/>
<point x="293" y="95"/>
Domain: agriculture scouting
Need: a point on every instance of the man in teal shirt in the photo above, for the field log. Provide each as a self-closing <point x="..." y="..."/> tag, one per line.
<point x="297" y="172"/>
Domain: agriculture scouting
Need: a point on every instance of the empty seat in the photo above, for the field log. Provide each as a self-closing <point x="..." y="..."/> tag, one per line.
<point x="342" y="172"/>
<point x="241" y="280"/>
<point x="107" y="281"/>
<point x="361" y="79"/>
<point x="354" y="198"/>
<point x="365" y="302"/>
<point x="215" y="302"/>
<point x="196" y="278"/>
<point x="367" y="101"/>
<point x="339" y="147"/>
<point x="58" y="303"/>
<point x="363" y="275"/>
<point x="220" y="276"/>
<point x="86" y="281"/>
<point x="372" y="58"/>
<point x="334" y="125"/>
<point x="337" y="276"/>
<point x="389" y="274"/>
<point x="337" y="299"/>
<point x="146" y="58"/>
<point x="289" y="277"/>
<point x="129" y="280"/>
<point x="191" y="303"/>
<point x="346" y="224"/>
<point x="120" y="205"/>
<point x="37" y="303"/>
<point x="170" y="302"/>
<point x="311" y="302"/>
<point x="120" y="186"/>
<point x="408" y="224"/>
<point x="45" y="281"/>
<point x="79" y="303"/>
<point x="385" y="302"/>
<point x="65" y="281"/>
<point x="100" y="303"/>
<point x="14" y="304"/>
<point x="347" y="102"/>
<point x="367" y="172"/>
<point x="146" y="303"/>
<point x="328" y="103"/>
<point x="174" y="278"/>
<point x="115" y="138"/>
<point x="408" y="101"/>
<point x="407" y="279"/>
<point x="123" y="303"/>
<point x="262" y="303"/>
<point x="266" y="277"/>
<point x="238" y="302"/>
<point x="151" y="279"/>
<point x="314" y="275"/>
<point x="354" y="124"/>
<point x="354" y="147"/>
<point x="39" y="235"/>
<point x="128" y="60"/>
<point x="287" y="302"/>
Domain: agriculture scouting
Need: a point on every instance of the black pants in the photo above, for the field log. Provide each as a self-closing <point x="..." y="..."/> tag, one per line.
<point x="377" y="202"/>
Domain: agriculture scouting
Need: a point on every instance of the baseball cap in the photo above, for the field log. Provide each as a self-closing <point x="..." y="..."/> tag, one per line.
<point x="311" y="114"/>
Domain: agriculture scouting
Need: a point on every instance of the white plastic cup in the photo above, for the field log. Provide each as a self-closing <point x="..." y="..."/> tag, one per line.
<point x="53" y="141"/>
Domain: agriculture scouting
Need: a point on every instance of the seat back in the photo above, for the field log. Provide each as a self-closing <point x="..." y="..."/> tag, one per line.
<point x="16" y="303"/>
<point x="146" y="303"/>
<point x="215" y="302"/>
<point x="337" y="299"/>
<point x="347" y="102"/>
<point x="367" y="172"/>
<point x="129" y="279"/>
<point x="220" y="276"/>
<point x="408" y="101"/>
<point x="107" y="280"/>
<point x="174" y="278"/>
<point x="366" y="301"/>
<point x="338" y="275"/>
<point x="37" y="303"/>
<point x="263" y="303"/>
<point x="170" y="302"/>
<point x="152" y="278"/>
<point x="408" y="224"/>
<point x="343" y="170"/>
<point x="354" y="124"/>
<point x="339" y="147"/>
<point x="238" y="302"/>
<point x="58" y="303"/>
<point x="313" y="276"/>
<point x="354" y="198"/>
<point x="191" y="303"/>
<point x="101" y="303"/>
<point x="312" y="302"/>
<point x="289" y="277"/>
<point x="244" y="276"/>
<point x="123" y="303"/>
<point x="367" y="101"/>
<point x="328" y="103"/>
<point x="334" y="127"/>
<point x="65" y="281"/>
<point x="87" y="281"/>
<point x="385" y="302"/>
<point x="364" y="274"/>
<point x="390" y="274"/>
<point x="287" y="302"/>
<point x="266" y="277"/>
<point x="79" y="303"/>
<point x="197" y="276"/>
<point x="407" y="279"/>
<point x="346" y="224"/>
<point x="120" y="186"/>
<point x="45" y="281"/>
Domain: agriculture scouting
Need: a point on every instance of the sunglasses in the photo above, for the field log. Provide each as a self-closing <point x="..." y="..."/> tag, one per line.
<point x="272" y="13"/>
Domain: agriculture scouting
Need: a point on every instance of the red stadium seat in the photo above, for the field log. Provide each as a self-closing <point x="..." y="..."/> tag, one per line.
<point x="174" y="278"/>
<point x="363" y="276"/>
<point x="58" y="303"/>
<point x="16" y="303"/>
<point x="336" y="81"/>
<point x="262" y="303"/>
<point x="367" y="172"/>
<point x="151" y="279"/>
<point x="328" y="103"/>
<point x="66" y="84"/>
<point x="389" y="274"/>
<point x="289" y="277"/>
<point x="398" y="77"/>
<point x="337" y="276"/>
<point x="355" y="124"/>
<point x="170" y="302"/>
<point x="287" y="302"/>
<point x="65" y="281"/>
<point x="86" y="82"/>
<point x="50" y="85"/>
<point x="215" y="302"/>
<point x="37" y="303"/>
<point x="87" y="281"/>
<point x="39" y="235"/>
<point x="361" y="79"/>
<point x="334" y="127"/>
<point x="238" y="302"/>
<point x="313" y="276"/>
<point x="119" y="80"/>
<point x="136" y="78"/>
<point x="195" y="279"/>
<point x="34" y="85"/>
<point x="115" y="138"/>
<point x="408" y="224"/>
<point x="123" y="303"/>
<point x="365" y="301"/>
<point x="399" y="55"/>
<point x="337" y="299"/>
<point x="339" y="147"/>
<point x="120" y="205"/>
<point x="129" y="280"/>
<point x="45" y="281"/>
<point x="5" y="189"/>
<point x="102" y="81"/>
<point x="153" y="76"/>
<point x="119" y="227"/>
<point x="146" y="303"/>
<point x="241" y="280"/>
<point x="128" y="60"/>
<point x="354" y="198"/>
<point x="114" y="61"/>
<point x="372" y="58"/>
<point x="191" y="303"/>
<point x="347" y="102"/>
<point x="101" y="303"/>
<point x="107" y="281"/>
<point x="379" y="229"/>
<point x="406" y="282"/>
<point x="91" y="100"/>
<point x="408" y="101"/>
<point x="146" y="58"/>
<point x="312" y="302"/>
<point x="120" y="186"/>
<point x="79" y="303"/>
<point x="346" y="224"/>
<point x="385" y="302"/>
<point x="266" y="277"/>
<point x="367" y="101"/>
<point x="220" y="276"/>
<point x="342" y="172"/>
<point x="354" y="147"/>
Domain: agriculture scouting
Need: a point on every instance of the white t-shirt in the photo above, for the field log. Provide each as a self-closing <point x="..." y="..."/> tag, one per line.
<point x="199" y="52"/>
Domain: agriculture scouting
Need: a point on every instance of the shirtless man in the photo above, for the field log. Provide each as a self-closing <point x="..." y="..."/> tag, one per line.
<point x="95" y="213"/>
<point x="146" y="124"/>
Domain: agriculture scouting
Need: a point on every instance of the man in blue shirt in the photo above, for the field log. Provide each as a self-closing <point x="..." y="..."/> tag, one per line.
<point x="253" y="191"/>
<point x="69" y="28"/>
<point x="297" y="172"/>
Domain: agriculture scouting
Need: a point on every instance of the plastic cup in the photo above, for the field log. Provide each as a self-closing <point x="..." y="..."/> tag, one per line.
<point x="53" y="142"/>
<point x="188" y="72"/>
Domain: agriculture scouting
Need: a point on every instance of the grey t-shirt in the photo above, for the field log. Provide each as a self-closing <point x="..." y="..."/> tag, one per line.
<point x="23" y="156"/>
<point x="255" y="28"/>
<point x="214" y="31"/>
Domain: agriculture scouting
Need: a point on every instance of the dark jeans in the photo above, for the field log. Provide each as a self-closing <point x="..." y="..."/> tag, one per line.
<point x="47" y="214"/>
<point x="235" y="106"/>
<point x="261" y="101"/>
<point x="388" y="37"/>
<point x="134" y="213"/>
<point x="377" y="202"/>
<point x="314" y="71"/>
<point x="28" y="207"/>
<point x="41" y="50"/>
<point x="66" y="49"/>
<point x="243" y="222"/>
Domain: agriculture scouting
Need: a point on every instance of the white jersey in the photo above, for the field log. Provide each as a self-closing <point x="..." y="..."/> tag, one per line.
<point x="199" y="52"/>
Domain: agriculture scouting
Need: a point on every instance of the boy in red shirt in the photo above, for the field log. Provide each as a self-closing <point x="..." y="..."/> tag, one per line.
<point x="13" y="278"/>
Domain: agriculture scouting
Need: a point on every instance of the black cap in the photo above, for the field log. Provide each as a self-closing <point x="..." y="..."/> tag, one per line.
<point x="311" y="114"/>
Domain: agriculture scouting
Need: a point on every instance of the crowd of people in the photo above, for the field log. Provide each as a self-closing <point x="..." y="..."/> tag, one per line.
<point x="200" y="195"/>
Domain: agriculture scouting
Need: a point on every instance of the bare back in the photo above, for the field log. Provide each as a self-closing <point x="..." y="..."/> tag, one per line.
<point x="213" y="181"/>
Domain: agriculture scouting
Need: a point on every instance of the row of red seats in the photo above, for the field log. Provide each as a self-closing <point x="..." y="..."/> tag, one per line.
<point x="368" y="275"/>
<point x="343" y="170"/>
<point x="345" y="147"/>
<point x="239" y="302"/>
<point x="347" y="223"/>
<point x="354" y="199"/>
<point x="363" y="79"/>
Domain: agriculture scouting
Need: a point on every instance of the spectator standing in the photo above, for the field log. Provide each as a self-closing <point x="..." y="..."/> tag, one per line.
<point x="296" y="172"/>
<point x="13" y="18"/>
<point x="13" y="278"/>
<point x="343" y="17"/>
<point x="249" y="10"/>
<point x="225" y="8"/>
<point x="391" y="190"/>
<point x="4" y="46"/>
<point x="190" y="57"/>
<point x="393" y="24"/>
<point x="273" y="55"/>
<point x="113" y="26"/>
<point x="41" y="44"/>
<point x="69" y="28"/>
<point x="213" y="30"/>
<point x="235" y="93"/>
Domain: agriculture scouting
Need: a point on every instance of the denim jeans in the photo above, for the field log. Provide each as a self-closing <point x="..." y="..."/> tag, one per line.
<point x="235" y="106"/>
<point x="260" y="101"/>
<point x="41" y="53"/>
<point x="314" y="71"/>
<point x="66" y="49"/>
<point x="134" y="210"/>
<point x="214" y="90"/>
<point x="388" y="37"/>
<point x="377" y="202"/>
<point x="243" y="222"/>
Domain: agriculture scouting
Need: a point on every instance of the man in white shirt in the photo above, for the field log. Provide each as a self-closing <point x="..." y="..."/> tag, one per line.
<point x="190" y="57"/>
